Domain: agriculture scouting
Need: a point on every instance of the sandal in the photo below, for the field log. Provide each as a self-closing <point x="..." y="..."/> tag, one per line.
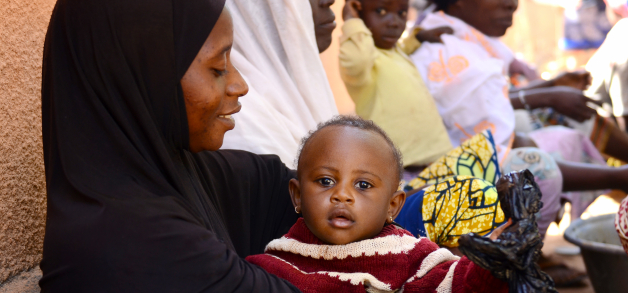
<point x="562" y="275"/>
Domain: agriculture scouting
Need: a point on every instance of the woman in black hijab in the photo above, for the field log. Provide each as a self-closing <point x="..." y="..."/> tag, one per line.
<point x="136" y="97"/>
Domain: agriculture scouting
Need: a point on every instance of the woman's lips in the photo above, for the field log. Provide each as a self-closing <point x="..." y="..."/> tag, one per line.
<point x="341" y="219"/>
<point x="329" y="26"/>
<point x="228" y="119"/>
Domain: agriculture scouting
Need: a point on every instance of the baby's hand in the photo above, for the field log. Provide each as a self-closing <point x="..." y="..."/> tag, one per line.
<point x="498" y="231"/>
<point x="351" y="9"/>
<point x="433" y="35"/>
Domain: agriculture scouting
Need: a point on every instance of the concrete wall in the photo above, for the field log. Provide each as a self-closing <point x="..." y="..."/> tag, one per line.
<point x="22" y="184"/>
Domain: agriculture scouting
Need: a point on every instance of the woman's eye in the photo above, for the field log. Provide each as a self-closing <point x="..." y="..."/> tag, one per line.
<point x="326" y="181"/>
<point x="363" y="185"/>
<point x="220" y="72"/>
<point x="381" y="11"/>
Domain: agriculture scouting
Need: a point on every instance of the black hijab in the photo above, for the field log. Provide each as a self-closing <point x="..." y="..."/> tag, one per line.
<point x="129" y="207"/>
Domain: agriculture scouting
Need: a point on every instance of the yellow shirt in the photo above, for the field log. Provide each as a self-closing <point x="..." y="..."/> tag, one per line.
<point x="388" y="89"/>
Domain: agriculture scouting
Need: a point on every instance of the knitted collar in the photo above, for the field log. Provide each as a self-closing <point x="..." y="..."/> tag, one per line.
<point x="300" y="240"/>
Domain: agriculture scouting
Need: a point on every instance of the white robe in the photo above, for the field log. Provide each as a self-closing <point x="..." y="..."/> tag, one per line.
<point x="275" y="50"/>
<point x="466" y="76"/>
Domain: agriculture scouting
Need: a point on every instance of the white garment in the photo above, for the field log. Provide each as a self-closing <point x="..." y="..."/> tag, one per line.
<point x="275" y="50"/>
<point x="609" y="69"/>
<point x="466" y="76"/>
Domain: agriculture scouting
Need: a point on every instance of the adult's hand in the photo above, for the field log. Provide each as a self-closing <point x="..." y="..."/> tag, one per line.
<point x="351" y="9"/>
<point x="433" y="35"/>
<point x="580" y="79"/>
<point x="571" y="102"/>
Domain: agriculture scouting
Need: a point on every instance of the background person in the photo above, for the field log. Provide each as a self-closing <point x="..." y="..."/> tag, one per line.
<point x="275" y="48"/>
<point x="465" y="75"/>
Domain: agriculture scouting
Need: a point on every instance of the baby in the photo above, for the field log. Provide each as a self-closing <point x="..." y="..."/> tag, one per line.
<point x="347" y="190"/>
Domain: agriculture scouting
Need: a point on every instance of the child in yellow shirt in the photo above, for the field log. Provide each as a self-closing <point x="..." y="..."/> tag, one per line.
<point x="383" y="82"/>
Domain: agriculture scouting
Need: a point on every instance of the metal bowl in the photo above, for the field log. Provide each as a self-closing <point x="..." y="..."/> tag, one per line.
<point x="604" y="257"/>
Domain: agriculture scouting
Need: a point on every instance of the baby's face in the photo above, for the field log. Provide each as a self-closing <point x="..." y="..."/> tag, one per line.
<point x="347" y="186"/>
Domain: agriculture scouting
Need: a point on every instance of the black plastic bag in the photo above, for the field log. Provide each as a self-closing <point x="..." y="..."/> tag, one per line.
<point x="512" y="256"/>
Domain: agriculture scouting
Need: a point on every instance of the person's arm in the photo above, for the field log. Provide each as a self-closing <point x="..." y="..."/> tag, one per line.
<point x="196" y="261"/>
<point x="418" y="35"/>
<point x="151" y="244"/>
<point x="357" y="48"/>
<point x="566" y="100"/>
<point x="440" y="271"/>
<point x="579" y="80"/>
<point x="255" y="199"/>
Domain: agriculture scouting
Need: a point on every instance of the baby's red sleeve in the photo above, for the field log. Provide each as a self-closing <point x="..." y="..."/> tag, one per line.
<point x="440" y="272"/>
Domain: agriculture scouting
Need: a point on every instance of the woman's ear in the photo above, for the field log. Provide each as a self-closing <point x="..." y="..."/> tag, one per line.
<point x="396" y="203"/>
<point x="295" y="194"/>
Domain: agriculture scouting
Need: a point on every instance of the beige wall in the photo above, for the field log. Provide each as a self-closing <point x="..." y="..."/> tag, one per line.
<point x="330" y="62"/>
<point x="535" y="35"/>
<point x="22" y="184"/>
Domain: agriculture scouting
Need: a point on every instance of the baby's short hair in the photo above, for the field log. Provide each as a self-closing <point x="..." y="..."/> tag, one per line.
<point x="357" y="122"/>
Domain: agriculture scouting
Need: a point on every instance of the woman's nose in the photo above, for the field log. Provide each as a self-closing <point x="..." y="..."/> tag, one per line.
<point x="326" y="3"/>
<point x="512" y="4"/>
<point x="236" y="85"/>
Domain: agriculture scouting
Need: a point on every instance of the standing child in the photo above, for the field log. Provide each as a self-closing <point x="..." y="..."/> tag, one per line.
<point x="347" y="189"/>
<point x="383" y="82"/>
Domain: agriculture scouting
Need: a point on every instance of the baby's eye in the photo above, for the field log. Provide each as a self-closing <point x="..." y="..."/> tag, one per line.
<point x="381" y="11"/>
<point x="326" y="182"/>
<point x="403" y="13"/>
<point x="363" y="185"/>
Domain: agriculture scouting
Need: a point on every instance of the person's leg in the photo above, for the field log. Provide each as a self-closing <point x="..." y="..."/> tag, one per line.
<point x="617" y="146"/>
<point x="547" y="175"/>
<point x="610" y="139"/>
<point x="580" y="176"/>
<point x="621" y="123"/>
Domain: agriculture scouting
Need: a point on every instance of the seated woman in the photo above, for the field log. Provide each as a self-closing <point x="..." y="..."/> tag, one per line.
<point x="275" y="48"/>
<point x="137" y="96"/>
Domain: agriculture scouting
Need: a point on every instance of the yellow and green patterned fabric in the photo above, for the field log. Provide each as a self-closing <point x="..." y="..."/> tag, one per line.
<point x="459" y="205"/>
<point x="475" y="157"/>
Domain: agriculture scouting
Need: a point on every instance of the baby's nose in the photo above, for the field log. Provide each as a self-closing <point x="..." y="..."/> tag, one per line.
<point x="342" y="196"/>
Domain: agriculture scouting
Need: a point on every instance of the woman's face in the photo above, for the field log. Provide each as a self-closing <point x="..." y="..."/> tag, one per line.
<point x="211" y="88"/>
<point x="324" y="22"/>
<point x="491" y="17"/>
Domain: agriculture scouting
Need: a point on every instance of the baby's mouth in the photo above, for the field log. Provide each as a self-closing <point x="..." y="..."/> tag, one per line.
<point x="341" y="219"/>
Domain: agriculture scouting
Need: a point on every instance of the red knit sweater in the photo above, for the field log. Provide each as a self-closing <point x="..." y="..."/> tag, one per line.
<point x="392" y="260"/>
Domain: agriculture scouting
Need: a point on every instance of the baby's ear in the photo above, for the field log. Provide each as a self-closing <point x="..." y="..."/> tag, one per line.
<point x="295" y="193"/>
<point x="396" y="203"/>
